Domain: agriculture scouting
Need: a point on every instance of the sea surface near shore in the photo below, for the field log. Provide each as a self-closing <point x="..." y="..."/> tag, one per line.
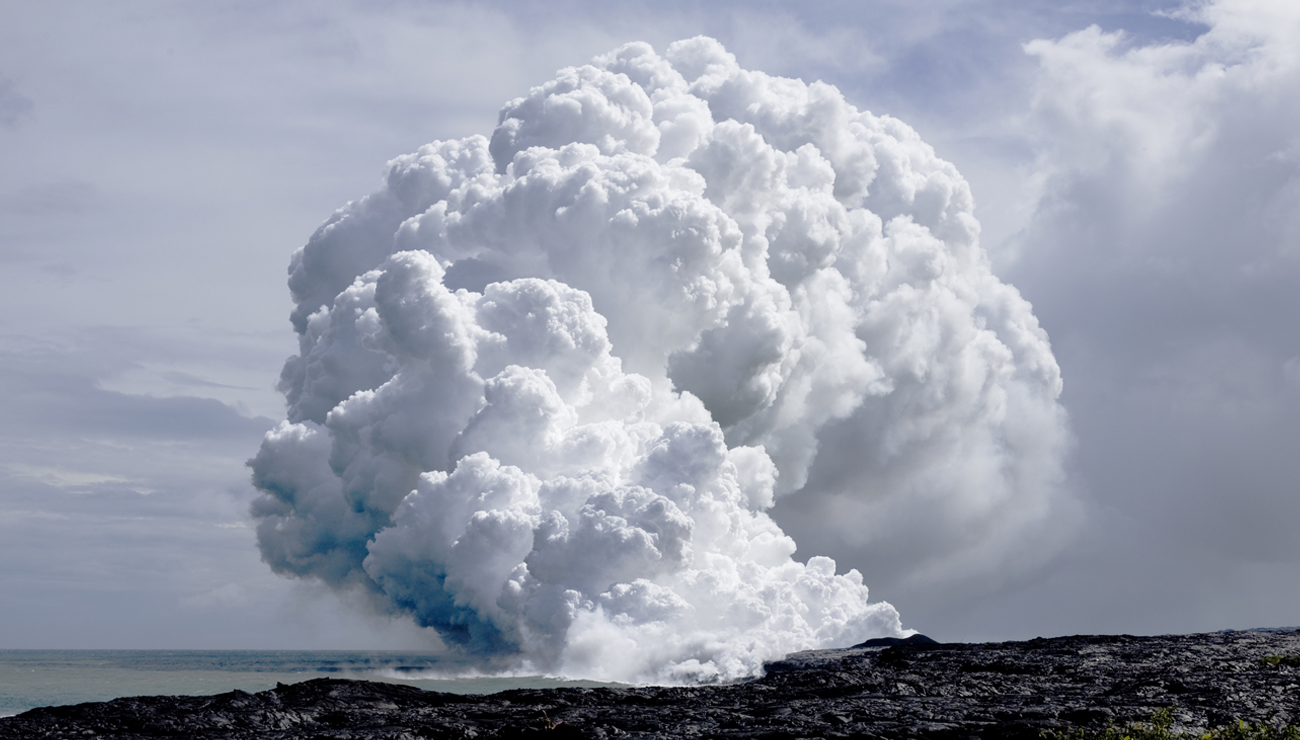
<point x="43" y="678"/>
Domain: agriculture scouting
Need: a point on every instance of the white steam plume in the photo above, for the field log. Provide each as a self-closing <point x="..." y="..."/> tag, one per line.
<point x="549" y="383"/>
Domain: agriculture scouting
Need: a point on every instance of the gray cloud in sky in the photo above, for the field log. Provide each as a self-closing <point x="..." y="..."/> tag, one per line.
<point x="112" y="501"/>
<point x="1164" y="252"/>
<point x="14" y="106"/>
<point x="1137" y="189"/>
<point x="68" y="197"/>
<point x="133" y="509"/>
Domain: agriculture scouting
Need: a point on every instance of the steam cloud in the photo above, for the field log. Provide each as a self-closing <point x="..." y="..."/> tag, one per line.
<point x="550" y="382"/>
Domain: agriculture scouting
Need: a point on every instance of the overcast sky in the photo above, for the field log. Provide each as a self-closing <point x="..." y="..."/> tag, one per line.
<point x="1135" y="167"/>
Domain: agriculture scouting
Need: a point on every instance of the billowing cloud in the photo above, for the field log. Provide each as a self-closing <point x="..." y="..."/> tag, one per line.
<point x="550" y="382"/>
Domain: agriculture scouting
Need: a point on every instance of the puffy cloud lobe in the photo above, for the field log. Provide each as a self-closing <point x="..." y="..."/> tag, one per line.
<point x="549" y="383"/>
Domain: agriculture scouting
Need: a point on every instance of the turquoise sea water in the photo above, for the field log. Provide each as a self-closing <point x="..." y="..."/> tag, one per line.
<point x="41" y="678"/>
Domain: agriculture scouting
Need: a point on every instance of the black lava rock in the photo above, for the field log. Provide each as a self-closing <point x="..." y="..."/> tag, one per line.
<point x="914" y="688"/>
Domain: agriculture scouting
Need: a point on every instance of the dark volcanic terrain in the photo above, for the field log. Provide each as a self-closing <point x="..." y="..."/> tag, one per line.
<point x="909" y="690"/>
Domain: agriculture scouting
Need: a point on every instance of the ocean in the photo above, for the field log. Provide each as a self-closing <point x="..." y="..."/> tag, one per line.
<point x="42" y="678"/>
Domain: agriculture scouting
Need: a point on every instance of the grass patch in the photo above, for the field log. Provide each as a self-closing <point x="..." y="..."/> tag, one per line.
<point x="1282" y="660"/>
<point x="1161" y="727"/>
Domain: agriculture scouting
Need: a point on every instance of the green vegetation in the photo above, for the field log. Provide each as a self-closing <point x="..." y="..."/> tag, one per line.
<point x="1161" y="727"/>
<point x="1283" y="660"/>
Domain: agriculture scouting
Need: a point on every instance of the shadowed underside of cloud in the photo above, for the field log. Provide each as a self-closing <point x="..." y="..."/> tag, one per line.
<point x="550" y="382"/>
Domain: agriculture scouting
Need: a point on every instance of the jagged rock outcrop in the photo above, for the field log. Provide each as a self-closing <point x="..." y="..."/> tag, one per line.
<point x="911" y="689"/>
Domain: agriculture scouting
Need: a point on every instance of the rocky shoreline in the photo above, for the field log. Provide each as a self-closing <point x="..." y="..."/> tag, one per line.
<point x="881" y="689"/>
